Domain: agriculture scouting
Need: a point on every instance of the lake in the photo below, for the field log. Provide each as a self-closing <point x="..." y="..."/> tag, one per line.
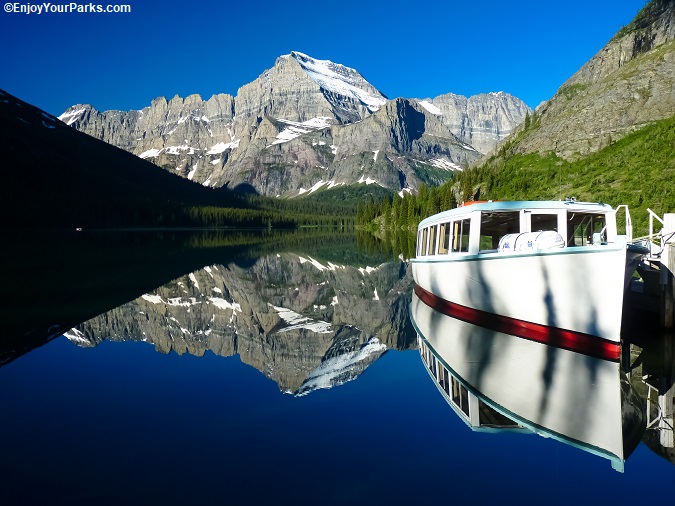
<point x="245" y="368"/>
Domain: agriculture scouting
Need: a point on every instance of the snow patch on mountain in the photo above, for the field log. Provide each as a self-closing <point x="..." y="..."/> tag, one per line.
<point x="338" y="79"/>
<point x="298" y="321"/>
<point x="154" y="299"/>
<point x="150" y="153"/>
<point x="178" y="150"/>
<point x="367" y="180"/>
<point x="444" y="163"/>
<point x="318" y="185"/>
<point x="71" y="116"/>
<point x="192" y="173"/>
<point x="430" y="107"/>
<point x="368" y="269"/>
<point x="178" y="301"/>
<point x="221" y="303"/>
<point x="296" y="129"/>
<point x="77" y="337"/>
<point x="315" y="263"/>
<point x="338" y="370"/>
<point x="221" y="147"/>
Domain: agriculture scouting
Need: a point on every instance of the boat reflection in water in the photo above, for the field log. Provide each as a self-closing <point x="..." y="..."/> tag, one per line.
<point x="498" y="382"/>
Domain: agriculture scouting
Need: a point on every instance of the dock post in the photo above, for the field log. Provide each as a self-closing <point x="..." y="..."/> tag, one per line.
<point x="668" y="271"/>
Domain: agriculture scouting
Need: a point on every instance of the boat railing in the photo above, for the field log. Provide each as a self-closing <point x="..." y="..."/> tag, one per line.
<point x="629" y="222"/>
<point x="652" y="421"/>
<point x="652" y="216"/>
<point x="655" y="240"/>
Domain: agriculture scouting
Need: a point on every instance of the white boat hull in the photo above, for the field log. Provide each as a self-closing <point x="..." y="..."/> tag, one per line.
<point x="576" y="289"/>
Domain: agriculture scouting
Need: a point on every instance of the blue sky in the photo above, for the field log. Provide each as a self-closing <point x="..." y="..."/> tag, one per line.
<point x="414" y="49"/>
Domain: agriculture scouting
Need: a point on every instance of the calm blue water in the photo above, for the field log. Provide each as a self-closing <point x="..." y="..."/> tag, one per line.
<point x="120" y="423"/>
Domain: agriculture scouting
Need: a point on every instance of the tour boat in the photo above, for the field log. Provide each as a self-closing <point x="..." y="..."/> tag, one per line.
<point x="497" y="382"/>
<point x="548" y="271"/>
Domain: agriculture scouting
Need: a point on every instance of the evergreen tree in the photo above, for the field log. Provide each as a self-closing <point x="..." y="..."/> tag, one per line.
<point x="386" y="213"/>
<point x="413" y="213"/>
<point x="402" y="218"/>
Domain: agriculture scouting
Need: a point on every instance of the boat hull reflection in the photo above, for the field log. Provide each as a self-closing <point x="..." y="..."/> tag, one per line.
<point x="574" y="398"/>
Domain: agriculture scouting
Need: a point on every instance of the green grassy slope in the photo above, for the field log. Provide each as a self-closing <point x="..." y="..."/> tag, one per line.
<point x="638" y="171"/>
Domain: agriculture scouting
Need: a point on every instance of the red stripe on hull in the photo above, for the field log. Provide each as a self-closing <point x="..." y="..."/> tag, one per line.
<point x="579" y="342"/>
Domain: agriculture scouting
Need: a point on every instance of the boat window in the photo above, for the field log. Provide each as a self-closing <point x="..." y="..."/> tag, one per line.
<point x="444" y="380"/>
<point x="460" y="236"/>
<point x="460" y="396"/>
<point x="495" y="225"/>
<point x="488" y="417"/>
<point x="444" y="238"/>
<point x="423" y="351"/>
<point x="582" y="226"/>
<point x="423" y="246"/>
<point x="486" y="242"/>
<point x="540" y="222"/>
<point x="432" y="240"/>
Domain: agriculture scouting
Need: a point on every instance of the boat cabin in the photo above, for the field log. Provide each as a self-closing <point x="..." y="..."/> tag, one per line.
<point x="491" y="227"/>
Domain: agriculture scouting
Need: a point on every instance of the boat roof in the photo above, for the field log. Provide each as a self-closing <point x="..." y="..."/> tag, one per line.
<point x="517" y="205"/>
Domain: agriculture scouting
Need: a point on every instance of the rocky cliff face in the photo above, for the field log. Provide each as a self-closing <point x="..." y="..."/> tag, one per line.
<point x="481" y="120"/>
<point x="626" y="85"/>
<point x="304" y="124"/>
<point x="303" y="323"/>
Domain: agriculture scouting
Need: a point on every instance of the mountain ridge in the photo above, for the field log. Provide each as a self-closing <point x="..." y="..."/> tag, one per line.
<point x="63" y="178"/>
<point x="280" y="134"/>
<point x="622" y="88"/>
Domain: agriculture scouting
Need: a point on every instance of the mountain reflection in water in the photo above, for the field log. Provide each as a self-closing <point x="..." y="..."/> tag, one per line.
<point x="236" y="318"/>
<point x="306" y="323"/>
<point x="60" y="280"/>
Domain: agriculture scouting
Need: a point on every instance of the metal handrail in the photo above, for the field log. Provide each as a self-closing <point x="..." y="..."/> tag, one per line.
<point x="629" y="222"/>
<point x="659" y="415"/>
<point x="655" y="238"/>
<point x="653" y="215"/>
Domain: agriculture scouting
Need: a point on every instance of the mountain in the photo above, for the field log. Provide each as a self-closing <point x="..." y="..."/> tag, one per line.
<point x="56" y="175"/>
<point x="307" y="124"/>
<point x="305" y="323"/>
<point x="628" y="84"/>
<point x="481" y="120"/>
